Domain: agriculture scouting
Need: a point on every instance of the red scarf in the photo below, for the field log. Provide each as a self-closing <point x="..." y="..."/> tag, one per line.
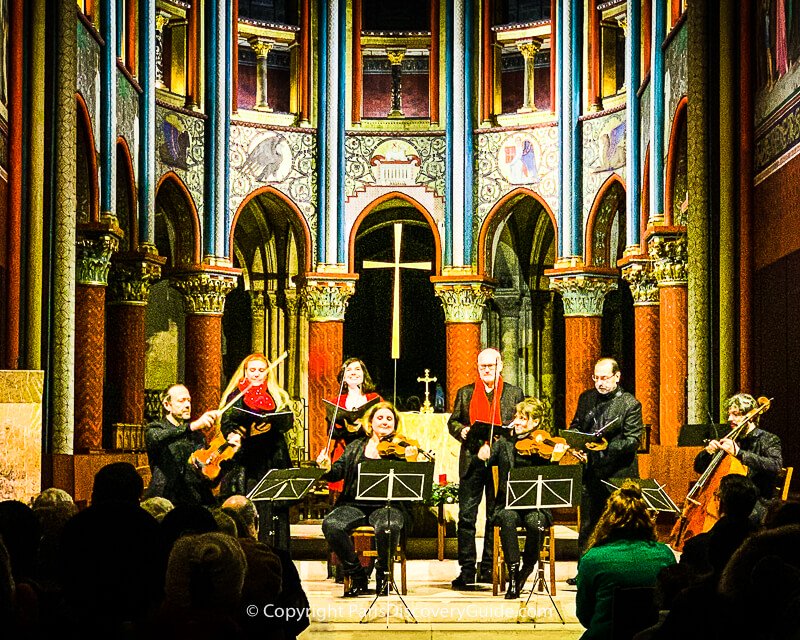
<point x="480" y="409"/>
<point x="257" y="397"/>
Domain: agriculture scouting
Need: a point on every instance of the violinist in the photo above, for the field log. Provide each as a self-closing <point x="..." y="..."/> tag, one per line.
<point x="758" y="450"/>
<point x="506" y="454"/>
<point x="490" y="400"/>
<point x="360" y="391"/>
<point x="380" y="425"/>
<point x="269" y="450"/>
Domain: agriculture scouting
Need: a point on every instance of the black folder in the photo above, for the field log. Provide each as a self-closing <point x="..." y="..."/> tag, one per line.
<point x="344" y="415"/>
<point x="479" y="433"/>
<point x="250" y="421"/>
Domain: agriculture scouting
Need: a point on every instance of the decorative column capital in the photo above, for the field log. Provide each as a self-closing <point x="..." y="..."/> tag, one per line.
<point x="529" y="47"/>
<point x="638" y="272"/>
<point x="463" y="297"/>
<point x="292" y="300"/>
<point x="204" y="291"/>
<point x="325" y="296"/>
<point x="132" y="276"/>
<point x="396" y="55"/>
<point x="94" y="246"/>
<point x="257" y="303"/>
<point x="261" y="46"/>
<point x="582" y="292"/>
<point x="669" y="251"/>
<point x="162" y="18"/>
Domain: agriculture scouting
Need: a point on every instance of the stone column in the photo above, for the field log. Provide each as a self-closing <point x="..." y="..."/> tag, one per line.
<point x="583" y="294"/>
<point x="463" y="300"/>
<point x="204" y="294"/>
<point x="94" y="249"/>
<point x="126" y="345"/>
<point x="261" y="46"/>
<point x="668" y="250"/>
<point x="325" y="297"/>
<point x="161" y="21"/>
<point x="529" y="48"/>
<point x="638" y="272"/>
<point x="276" y="335"/>
<point x="396" y="60"/>
<point x="293" y="343"/>
<point x="509" y="307"/>
<point x="258" y="311"/>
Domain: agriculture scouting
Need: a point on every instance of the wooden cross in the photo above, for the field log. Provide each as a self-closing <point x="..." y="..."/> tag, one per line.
<point x="426" y="407"/>
<point x="396" y="265"/>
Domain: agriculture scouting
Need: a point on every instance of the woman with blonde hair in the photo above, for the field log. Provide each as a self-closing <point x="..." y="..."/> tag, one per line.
<point x="622" y="553"/>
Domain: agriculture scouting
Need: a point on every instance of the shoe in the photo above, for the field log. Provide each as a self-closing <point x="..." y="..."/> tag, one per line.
<point x="485" y="576"/>
<point x="572" y="581"/>
<point x="359" y="584"/>
<point x="512" y="593"/>
<point x="463" y="583"/>
<point x="382" y="584"/>
<point x="525" y="573"/>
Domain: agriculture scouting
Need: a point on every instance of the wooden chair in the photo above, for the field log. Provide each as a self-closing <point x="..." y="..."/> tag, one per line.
<point x="784" y="480"/>
<point x="364" y="541"/>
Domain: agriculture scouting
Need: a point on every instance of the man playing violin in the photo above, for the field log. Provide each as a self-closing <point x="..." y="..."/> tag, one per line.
<point x="758" y="450"/>
<point x="380" y="425"/>
<point x="489" y="400"/>
<point x="506" y="454"/>
<point x="614" y="413"/>
<point x="170" y="441"/>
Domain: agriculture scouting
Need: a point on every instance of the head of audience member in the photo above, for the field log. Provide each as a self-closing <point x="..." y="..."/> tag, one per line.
<point x="606" y="376"/>
<point x="737" y="496"/>
<point x="356" y="376"/>
<point x="225" y="523"/>
<point x="244" y="513"/>
<point x="205" y="571"/>
<point x="528" y="416"/>
<point x="381" y="420"/>
<point x="52" y="497"/>
<point x="490" y="366"/>
<point x="157" y="507"/>
<point x="186" y="520"/>
<point x="625" y="517"/>
<point x="117" y="482"/>
<point x="782" y="513"/>
<point x="21" y="532"/>
<point x="177" y="403"/>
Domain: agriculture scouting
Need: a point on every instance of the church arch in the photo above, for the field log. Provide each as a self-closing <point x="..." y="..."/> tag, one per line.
<point x="608" y="207"/>
<point x="676" y="179"/>
<point x="177" y="223"/>
<point x="88" y="189"/>
<point x="387" y="197"/>
<point x="125" y="209"/>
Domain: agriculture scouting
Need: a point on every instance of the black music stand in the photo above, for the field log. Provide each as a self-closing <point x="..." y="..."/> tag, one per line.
<point x="283" y="486"/>
<point x="388" y="481"/>
<point x="652" y="493"/>
<point x="544" y="487"/>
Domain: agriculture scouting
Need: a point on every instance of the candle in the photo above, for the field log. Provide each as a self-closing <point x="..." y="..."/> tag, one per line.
<point x="442" y="479"/>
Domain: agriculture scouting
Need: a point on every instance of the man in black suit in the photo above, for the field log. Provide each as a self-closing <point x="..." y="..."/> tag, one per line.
<point x="488" y="400"/>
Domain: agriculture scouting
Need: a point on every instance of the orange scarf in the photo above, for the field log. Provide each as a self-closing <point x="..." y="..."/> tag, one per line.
<point x="479" y="407"/>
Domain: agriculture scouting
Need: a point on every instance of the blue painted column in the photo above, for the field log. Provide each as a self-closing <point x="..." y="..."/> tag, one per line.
<point x="147" y="120"/>
<point x="341" y="96"/>
<point x="448" y="159"/>
<point x="633" y="46"/>
<point x="657" y="112"/>
<point x="571" y="222"/>
<point x="215" y="107"/>
<point x="333" y="135"/>
<point x="224" y="217"/>
<point x="322" y="140"/>
<point x="108" y="109"/>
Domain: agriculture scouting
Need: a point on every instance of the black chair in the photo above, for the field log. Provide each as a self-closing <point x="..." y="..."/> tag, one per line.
<point x="633" y="609"/>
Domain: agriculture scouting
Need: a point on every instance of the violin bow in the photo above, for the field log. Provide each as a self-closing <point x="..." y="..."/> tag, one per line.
<point x="494" y="402"/>
<point x="274" y="364"/>
<point x="335" y="413"/>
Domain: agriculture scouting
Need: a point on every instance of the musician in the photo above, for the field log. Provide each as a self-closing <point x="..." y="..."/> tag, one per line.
<point x="505" y="456"/>
<point x="607" y="407"/>
<point x="360" y="391"/>
<point x="260" y="453"/>
<point x="380" y="424"/>
<point x="170" y="441"/>
<point x="758" y="450"/>
<point x="489" y="399"/>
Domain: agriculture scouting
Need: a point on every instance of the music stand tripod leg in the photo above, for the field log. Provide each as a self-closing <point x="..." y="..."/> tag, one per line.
<point x="539" y="585"/>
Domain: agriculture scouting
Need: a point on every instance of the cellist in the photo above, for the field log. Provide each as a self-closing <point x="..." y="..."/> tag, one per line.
<point x="758" y="450"/>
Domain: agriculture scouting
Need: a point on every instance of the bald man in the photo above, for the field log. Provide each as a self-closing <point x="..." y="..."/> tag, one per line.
<point x="492" y="401"/>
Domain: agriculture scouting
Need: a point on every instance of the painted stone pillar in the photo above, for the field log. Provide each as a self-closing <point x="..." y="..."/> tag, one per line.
<point x="161" y="21"/>
<point x="583" y="294"/>
<point x="396" y="61"/>
<point x="638" y="272"/>
<point x="293" y="343"/>
<point x="463" y="300"/>
<point x="276" y="339"/>
<point x="529" y="48"/>
<point x="542" y="315"/>
<point x="204" y="294"/>
<point x="668" y="250"/>
<point x="509" y="307"/>
<point x="94" y="249"/>
<point x="258" y="313"/>
<point x="325" y="297"/>
<point x="126" y="344"/>
<point x="261" y="47"/>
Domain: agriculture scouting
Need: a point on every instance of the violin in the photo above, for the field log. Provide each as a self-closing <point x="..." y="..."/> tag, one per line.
<point x="553" y="448"/>
<point x="394" y="446"/>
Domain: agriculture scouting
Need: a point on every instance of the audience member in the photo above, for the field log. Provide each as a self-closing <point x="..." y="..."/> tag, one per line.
<point x="52" y="497"/>
<point x="782" y="513"/>
<point x="157" y="507"/>
<point x="118" y="481"/>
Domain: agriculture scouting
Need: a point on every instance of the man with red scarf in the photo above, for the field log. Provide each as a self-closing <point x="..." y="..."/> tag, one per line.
<point x="491" y="401"/>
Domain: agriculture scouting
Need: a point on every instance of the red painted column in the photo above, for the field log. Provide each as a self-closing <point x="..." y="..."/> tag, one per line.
<point x="325" y="297"/>
<point x="463" y="299"/>
<point x="204" y="294"/>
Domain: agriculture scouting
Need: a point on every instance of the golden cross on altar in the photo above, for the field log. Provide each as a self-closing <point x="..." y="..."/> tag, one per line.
<point x="396" y="265"/>
<point x="426" y="406"/>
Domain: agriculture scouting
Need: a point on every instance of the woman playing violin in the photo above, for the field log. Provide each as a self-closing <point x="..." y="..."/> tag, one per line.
<point x="380" y="424"/>
<point x="262" y="395"/>
<point x="758" y="450"/>
<point x="506" y="456"/>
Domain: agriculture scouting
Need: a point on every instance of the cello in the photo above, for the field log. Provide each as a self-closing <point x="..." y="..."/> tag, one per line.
<point x="701" y="509"/>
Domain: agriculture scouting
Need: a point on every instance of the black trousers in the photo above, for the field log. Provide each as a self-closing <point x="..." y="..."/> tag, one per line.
<point x="389" y="524"/>
<point x="593" y="503"/>
<point x="535" y="523"/>
<point x="474" y="483"/>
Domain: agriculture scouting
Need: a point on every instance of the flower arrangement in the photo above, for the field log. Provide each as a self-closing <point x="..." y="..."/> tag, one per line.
<point x="445" y="493"/>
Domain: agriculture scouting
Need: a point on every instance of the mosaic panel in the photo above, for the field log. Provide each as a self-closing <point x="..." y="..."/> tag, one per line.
<point x="676" y="80"/>
<point x="89" y="74"/>
<point x="128" y="117"/>
<point x="604" y="141"/>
